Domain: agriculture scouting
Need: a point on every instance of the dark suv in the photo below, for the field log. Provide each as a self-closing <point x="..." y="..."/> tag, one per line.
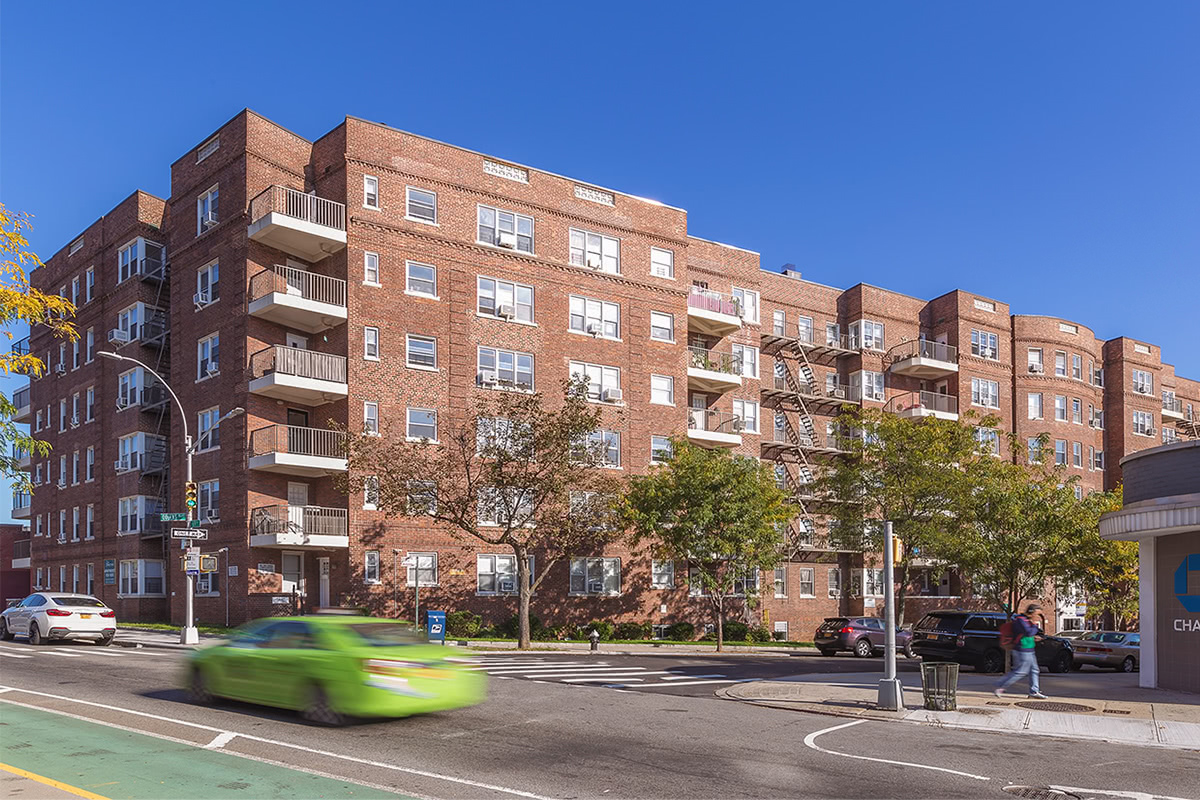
<point x="973" y="638"/>
<point x="863" y="636"/>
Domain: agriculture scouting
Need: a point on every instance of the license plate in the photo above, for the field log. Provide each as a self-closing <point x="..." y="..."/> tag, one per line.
<point x="85" y="616"/>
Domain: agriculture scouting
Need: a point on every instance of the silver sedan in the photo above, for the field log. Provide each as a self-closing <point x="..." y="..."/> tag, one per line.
<point x="1115" y="649"/>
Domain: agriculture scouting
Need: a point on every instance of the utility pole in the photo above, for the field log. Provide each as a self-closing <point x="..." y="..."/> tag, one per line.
<point x="891" y="693"/>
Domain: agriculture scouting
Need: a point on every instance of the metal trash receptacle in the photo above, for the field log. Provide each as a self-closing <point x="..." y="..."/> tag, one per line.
<point x="939" y="685"/>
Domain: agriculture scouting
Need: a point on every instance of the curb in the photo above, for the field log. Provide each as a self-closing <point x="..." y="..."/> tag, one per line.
<point x="670" y="650"/>
<point x="134" y="644"/>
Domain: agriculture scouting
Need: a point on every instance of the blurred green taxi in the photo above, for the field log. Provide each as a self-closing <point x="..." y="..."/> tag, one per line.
<point x="330" y="668"/>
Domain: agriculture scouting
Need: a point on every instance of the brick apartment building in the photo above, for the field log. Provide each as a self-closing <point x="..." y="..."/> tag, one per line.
<point x="15" y="580"/>
<point x="377" y="278"/>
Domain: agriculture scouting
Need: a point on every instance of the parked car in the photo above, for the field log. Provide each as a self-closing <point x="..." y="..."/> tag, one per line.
<point x="45" y="616"/>
<point x="973" y="638"/>
<point x="863" y="636"/>
<point x="1119" y="650"/>
<point x="330" y="668"/>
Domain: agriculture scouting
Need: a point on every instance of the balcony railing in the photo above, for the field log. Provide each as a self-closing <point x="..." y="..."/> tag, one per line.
<point x="298" y="283"/>
<point x="708" y="300"/>
<point x="21" y="548"/>
<point x="923" y="401"/>
<point x="1171" y="405"/>
<point x="298" y="521"/>
<point x="714" y="360"/>
<point x="298" y="205"/>
<point x="22" y="500"/>
<point x="713" y="421"/>
<point x="833" y="391"/>
<point x="21" y="397"/>
<point x="285" y="360"/>
<point x="298" y="441"/>
<point x="155" y="329"/>
<point x="924" y="348"/>
<point x="20" y="347"/>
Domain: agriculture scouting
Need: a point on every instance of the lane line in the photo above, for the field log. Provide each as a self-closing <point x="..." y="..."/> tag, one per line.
<point x="220" y="740"/>
<point x="698" y="683"/>
<point x="685" y="677"/>
<point x="1132" y="795"/>
<point x="593" y="676"/>
<point x="60" y="653"/>
<point x="262" y="739"/>
<point x="810" y="741"/>
<point x="65" y="787"/>
<point x="6" y="654"/>
<point x="623" y="679"/>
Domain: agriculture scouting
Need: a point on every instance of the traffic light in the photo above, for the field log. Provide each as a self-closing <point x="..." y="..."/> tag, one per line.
<point x="897" y="549"/>
<point x="189" y="494"/>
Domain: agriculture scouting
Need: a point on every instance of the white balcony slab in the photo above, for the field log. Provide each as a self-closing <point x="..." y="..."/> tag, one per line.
<point x="711" y="380"/>
<point x="297" y="464"/>
<point x="705" y="438"/>
<point x="299" y="237"/>
<point x="300" y="541"/>
<point x="294" y="311"/>
<point x="297" y="389"/>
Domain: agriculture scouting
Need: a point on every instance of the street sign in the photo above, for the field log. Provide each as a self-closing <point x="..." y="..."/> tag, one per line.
<point x="191" y="562"/>
<point x="172" y="516"/>
<point x="110" y="571"/>
<point x="195" y="523"/>
<point x="189" y="533"/>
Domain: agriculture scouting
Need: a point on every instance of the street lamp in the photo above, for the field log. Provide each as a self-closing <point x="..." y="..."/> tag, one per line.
<point x="189" y="634"/>
<point x="225" y="582"/>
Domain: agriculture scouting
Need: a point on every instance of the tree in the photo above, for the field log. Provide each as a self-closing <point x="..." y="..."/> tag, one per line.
<point x="721" y="513"/>
<point x="21" y="303"/>
<point x="1105" y="571"/>
<point x="907" y="471"/>
<point x="513" y="472"/>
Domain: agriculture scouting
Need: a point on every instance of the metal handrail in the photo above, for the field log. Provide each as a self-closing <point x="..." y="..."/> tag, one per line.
<point x="709" y="300"/>
<point x="299" y="362"/>
<point x="299" y="283"/>
<point x="297" y="440"/>
<point x="20" y="347"/>
<point x="709" y="419"/>
<point x="925" y="348"/>
<point x="22" y="500"/>
<point x="299" y="520"/>
<point x="714" y="360"/>
<point x="930" y="401"/>
<point x="298" y="205"/>
<point x="21" y="397"/>
<point x="1168" y="404"/>
<point x="838" y="391"/>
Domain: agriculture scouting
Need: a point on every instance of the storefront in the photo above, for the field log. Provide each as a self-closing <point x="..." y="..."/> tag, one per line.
<point x="1162" y="514"/>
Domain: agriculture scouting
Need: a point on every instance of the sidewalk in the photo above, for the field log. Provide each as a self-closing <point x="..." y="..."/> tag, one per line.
<point x="169" y="640"/>
<point x="607" y="648"/>
<point x="1107" y="706"/>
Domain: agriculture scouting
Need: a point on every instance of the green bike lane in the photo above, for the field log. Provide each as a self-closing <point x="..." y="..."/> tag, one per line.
<point x="102" y="761"/>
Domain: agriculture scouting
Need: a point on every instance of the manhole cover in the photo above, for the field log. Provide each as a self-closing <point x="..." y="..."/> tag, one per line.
<point x="1050" y="705"/>
<point x="1040" y="793"/>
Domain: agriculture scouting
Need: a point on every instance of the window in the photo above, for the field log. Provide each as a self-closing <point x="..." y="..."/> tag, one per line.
<point x="371" y="269"/>
<point x="206" y="211"/>
<point x="421" y="279"/>
<point x="371" y="492"/>
<point x="75" y="524"/>
<point x="1077" y="367"/>
<point x="127" y="320"/>
<point x="421" y="352"/>
<point x="127" y="261"/>
<point x="208" y="436"/>
<point x="662" y="574"/>
<point x="1076" y="411"/>
<point x="423" y="571"/>
<point x="371" y="566"/>
<point x="421" y="498"/>
<point x="872" y="582"/>
<point x="208" y="284"/>
<point x="76" y="246"/>
<point x="128" y="448"/>
<point x="90" y="404"/>
<point x="1035" y="360"/>
<point x="595" y="576"/>
<point x="1098" y="460"/>
<point x="747" y="302"/>
<point x="62" y="415"/>
<point x="985" y="345"/>
<point x="422" y="424"/>
<point x="808" y="582"/>
<point x="1035" y="405"/>
<point x="208" y="357"/>
<point x="595" y="251"/>
<point x="208" y="148"/>
<point x="91" y="522"/>
<point x="1035" y="450"/>
<point x="748" y="358"/>
<point x="506" y="368"/>
<point x="75" y="354"/>
<point x="141" y="577"/>
<point x="62" y="471"/>
<point x="662" y="390"/>
<point x="1143" y="423"/>
<point x="495" y="508"/>
<point x="420" y="205"/>
<point x="91" y="579"/>
<point x="89" y="284"/>
<point x="1143" y="382"/>
<point x="208" y="584"/>
<point x="494" y="434"/>
<point x="505" y="229"/>
<point x="660" y="449"/>
<point x="1060" y="364"/>
<point x="1098" y="419"/>
<point x="747" y="412"/>
<point x="595" y="317"/>
<point x="662" y="263"/>
<point x="37" y="421"/>
<point x="62" y="525"/>
<point x="867" y="335"/>
<point x="496" y="574"/>
<point x="1169" y="435"/>
<point x="662" y="326"/>
<point x="989" y="440"/>
<point x="90" y="464"/>
<point x="89" y="346"/>
<point x="804" y="329"/>
<point x="371" y="418"/>
<point x="75" y="291"/>
<point x="505" y="299"/>
<point x="208" y="499"/>
<point x="75" y="410"/>
<point x="746" y="583"/>
<point x="609" y="445"/>
<point x="1060" y="452"/>
<point x="602" y="380"/>
<point x="370" y="192"/>
<point x="1060" y="408"/>
<point x="780" y="583"/>
<point x="75" y="467"/>
<point x="867" y="385"/>
<point x="1098" y="376"/>
<point x="1077" y="454"/>
<point x="985" y="393"/>
<point x="371" y="343"/>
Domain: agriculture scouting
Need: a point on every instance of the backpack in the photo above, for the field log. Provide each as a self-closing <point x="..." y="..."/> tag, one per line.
<point x="1007" y="640"/>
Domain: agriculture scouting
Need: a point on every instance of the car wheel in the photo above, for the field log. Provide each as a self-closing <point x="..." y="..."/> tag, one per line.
<point x="1061" y="663"/>
<point x="908" y="651"/>
<point x="5" y="633"/>
<point x="318" y="711"/>
<point x="35" y="635"/>
<point x="863" y="648"/>
<point x="993" y="661"/>
<point x="1128" y="665"/>
<point x="828" y="653"/>
<point x="198" y="691"/>
<point x="1075" y="665"/>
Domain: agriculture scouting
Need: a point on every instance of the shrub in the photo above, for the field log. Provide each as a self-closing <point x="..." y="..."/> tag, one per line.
<point x="633" y="630"/>
<point x="602" y="627"/>
<point x="759" y="634"/>
<point x="488" y="632"/>
<point x="681" y="632"/>
<point x="736" y="631"/>
<point x="463" y="624"/>
<point x="711" y="636"/>
<point x="512" y="626"/>
<point x="779" y="636"/>
<point x="547" y="634"/>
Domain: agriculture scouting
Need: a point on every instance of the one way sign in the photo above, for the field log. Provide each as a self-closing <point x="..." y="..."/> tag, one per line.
<point x="189" y="533"/>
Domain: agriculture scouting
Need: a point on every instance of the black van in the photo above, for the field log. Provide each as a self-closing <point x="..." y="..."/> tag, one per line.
<point x="973" y="638"/>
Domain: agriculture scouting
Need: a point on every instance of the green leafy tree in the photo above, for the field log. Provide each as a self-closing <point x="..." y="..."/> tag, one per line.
<point x="517" y="470"/>
<point x="911" y="472"/>
<point x="722" y="514"/>
<point x="21" y="303"/>
<point x="1105" y="571"/>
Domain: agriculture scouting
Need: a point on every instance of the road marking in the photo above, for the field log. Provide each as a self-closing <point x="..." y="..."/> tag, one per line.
<point x="810" y="741"/>
<point x="537" y="665"/>
<point x="620" y="674"/>
<point x="264" y="740"/>
<point x="685" y="677"/>
<point x="109" y="653"/>
<point x="61" y="653"/>
<point x="601" y="679"/>
<point x="220" y="740"/>
<point x="698" y="683"/>
<point x="65" y="787"/>
<point x="1115" y="793"/>
<point x="13" y="655"/>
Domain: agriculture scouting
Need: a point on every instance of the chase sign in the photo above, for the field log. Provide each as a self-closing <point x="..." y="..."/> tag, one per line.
<point x="1189" y="564"/>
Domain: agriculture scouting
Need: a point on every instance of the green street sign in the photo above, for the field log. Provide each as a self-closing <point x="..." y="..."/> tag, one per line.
<point x="193" y="523"/>
<point x="173" y="516"/>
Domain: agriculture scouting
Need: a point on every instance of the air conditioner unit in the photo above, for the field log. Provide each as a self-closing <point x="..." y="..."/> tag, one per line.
<point x="208" y="221"/>
<point x="594" y="262"/>
<point x="1149" y="431"/>
<point x="123" y="403"/>
<point x="595" y="328"/>
<point x="595" y="587"/>
<point x="506" y="312"/>
<point x="611" y="395"/>
<point x="119" y="336"/>
<point x="62" y="484"/>
<point x="508" y="240"/>
<point x="739" y="425"/>
<point x="61" y="369"/>
<point x="488" y="378"/>
<point x="841" y="393"/>
<point x="201" y="299"/>
<point x="212" y="515"/>
<point x="508" y="585"/>
<point x="75" y="422"/>
<point x="1036" y="368"/>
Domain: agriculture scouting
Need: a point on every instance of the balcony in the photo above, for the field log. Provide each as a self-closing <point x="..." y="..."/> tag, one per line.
<point x="21" y="401"/>
<point x="21" y="457"/>
<point x="293" y="450"/>
<point x="22" y="503"/>
<point x="713" y="313"/>
<point x="1172" y="408"/>
<point x="303" y="225"/>
<point x="299" y="299"/>
<point x="20" y="347"/>
<point x="21" y="554"/>
<point x="912" y="405"/>
<point x="824" y="350"/>
<point x="298" y="376"/>
<point x="924" y="359"/>
<point x="710" y="428"/>
<point x="786" y="445"/>
<point x="155" y="399"/>
<point x="299" y="527"/>
<point x="713" y="371"/>
<point x="156" y="329"/>
<point x="790" y="393"/>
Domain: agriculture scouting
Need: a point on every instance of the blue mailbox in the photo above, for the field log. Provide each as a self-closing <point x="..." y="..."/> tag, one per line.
<point x="435" y="624"/>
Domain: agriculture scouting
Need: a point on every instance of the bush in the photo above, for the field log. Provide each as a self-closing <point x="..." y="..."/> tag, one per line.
<point x="736" y="631"/>
<point x="551" y="633"/>
<point x="633" y="630"/>
<point x="605" y="629"/>
<point x="681" y="632"/>
<point x="779" y="636"/>
<point x="463" y="624"/>
<point x="488" y="632"/>
<point x="759" y="634"/>
<point x="512" y="627"/>
<point x="711" y="636"/>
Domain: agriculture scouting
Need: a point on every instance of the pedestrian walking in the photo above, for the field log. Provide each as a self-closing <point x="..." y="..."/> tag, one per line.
<point x="1020" y="635"/>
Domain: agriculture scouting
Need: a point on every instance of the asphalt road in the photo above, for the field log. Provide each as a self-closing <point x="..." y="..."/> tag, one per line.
<point x="538" y="737"/>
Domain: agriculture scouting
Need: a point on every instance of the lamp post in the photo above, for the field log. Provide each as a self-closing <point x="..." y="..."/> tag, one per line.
<point x="225" y="581"/>
<point x="189" y="634"/>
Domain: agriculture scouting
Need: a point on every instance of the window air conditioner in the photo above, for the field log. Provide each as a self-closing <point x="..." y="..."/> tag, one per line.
<point x="60" y="368"/>
<point x="508" y="240"/>
<point x="594" y="328"/>
<point x="611" y="395"/>
<point x="1035" y="368"/>
<point x="119" y="336"/>
<point x="75" y="421"/>
<point x="739" y="425"/>
<point x="62" y="483"/>
<point x="506" y="312"/>
<point x="1149" y="431"/>
<point x="595" y="587"/>
<point x="593" y="262"/>
<point x="212" y="515"/>
<point x="839" y="392"/>
<point x="487" y="378"/>
<point x="208" y="220"/>
<point x="201" y="299"/>
<point x="508" y="585"/>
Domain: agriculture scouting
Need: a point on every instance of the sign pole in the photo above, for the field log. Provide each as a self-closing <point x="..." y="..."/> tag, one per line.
<point x="189" y="634"/>
<point x="891" y="693"/>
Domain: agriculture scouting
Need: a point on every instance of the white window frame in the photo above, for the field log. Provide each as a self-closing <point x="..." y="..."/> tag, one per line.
<point x="371" y="567"/>
<point x="600" y="377"/>
<point x="409" y="278"/>
<point x="89" y="284"/>
<point x="748" y="412"/>
<point x="205" y="350"/>
<point x="409" y="425"/>
<point x="208" y="284"/>
<point x="657" y="448"/>
<point x="516" y="221"/>
<point x="206" y="493"/>
<point x="662" y="574"/>
<point x="427" y="562"/>
<point x="501" y="289"/>
<point x="1143" y="382"/>
<point x="1143" y="423"/>
<point x="1060" y="452"/>
<point x="749" y="304"/>
<point x="1060" y="408"/>
<point x="371" y="269"/>
<point x="370" y="343"/>
<point x="747" y="357"/>
<point x="500" y="568"/>
<point x="780" y="582"/>
<point x="371" y="493"/>
<point x="664" y="390"/>
<point x="134" y="576"/>
<point x="580" y="246"/>
<point x="985" y="393"/>
<point x="585" y="313"/>
<point x="208" y="207"/>
<point x="985" y="344"/>
<point x="808" y="577"/>
<point x="1039" y="405"/>
<point x="498" y="355"/>
<point x="867" y="334"/>
<point x="408" y="205"/>
<point x="662" y="263"/>
<point x="370" y="418"/>
<point x="1061" y="370"/>
<point x="658" y="320"/>
<point x="585" y="566"/>
<point x="371" y="192"/>
<point x="409" y="339"/>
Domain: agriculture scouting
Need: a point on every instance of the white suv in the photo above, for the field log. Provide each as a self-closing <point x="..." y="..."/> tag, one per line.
<point x="59" y="615"/>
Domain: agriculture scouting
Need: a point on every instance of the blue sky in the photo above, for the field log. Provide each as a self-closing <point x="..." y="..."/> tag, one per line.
<point x="1042" y="154"/>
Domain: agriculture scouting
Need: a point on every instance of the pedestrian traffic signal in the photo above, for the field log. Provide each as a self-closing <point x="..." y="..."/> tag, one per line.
<point x="897" y="549"/>
<point x="189" y="495"/>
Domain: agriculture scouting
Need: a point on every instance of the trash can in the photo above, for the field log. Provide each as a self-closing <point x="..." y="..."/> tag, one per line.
<point x="939" y="685"/>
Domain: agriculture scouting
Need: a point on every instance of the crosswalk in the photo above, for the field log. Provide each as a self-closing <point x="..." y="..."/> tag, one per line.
<point x="594" y="673"/>
<point x="22" y="650"/>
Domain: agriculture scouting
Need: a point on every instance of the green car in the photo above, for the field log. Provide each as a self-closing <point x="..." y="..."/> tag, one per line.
<point x="330" y="668"/>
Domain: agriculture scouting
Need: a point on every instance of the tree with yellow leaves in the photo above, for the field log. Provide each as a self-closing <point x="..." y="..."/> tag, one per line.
<point x="21" y="303"/>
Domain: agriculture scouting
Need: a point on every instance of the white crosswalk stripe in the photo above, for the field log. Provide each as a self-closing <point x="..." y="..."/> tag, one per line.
<point x="591" y="673"/>
<point x="7" y="654"/>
